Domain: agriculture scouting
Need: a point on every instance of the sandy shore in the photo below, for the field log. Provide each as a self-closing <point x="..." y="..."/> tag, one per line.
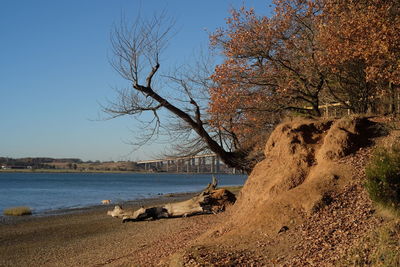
<point x="88" y="237"/>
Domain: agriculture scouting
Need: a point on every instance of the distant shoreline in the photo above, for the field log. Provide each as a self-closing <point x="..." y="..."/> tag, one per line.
<point x="97" y="171"/>
<point x="63" y="171"/>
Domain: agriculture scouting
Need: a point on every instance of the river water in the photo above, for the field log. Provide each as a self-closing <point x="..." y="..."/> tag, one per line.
<point x="45" y="192"/>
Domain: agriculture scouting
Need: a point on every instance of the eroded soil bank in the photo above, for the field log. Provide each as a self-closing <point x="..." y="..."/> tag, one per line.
<point x="305" y="204"/>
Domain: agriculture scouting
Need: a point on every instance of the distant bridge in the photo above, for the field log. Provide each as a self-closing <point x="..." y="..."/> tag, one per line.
<point x="206" y="163"/>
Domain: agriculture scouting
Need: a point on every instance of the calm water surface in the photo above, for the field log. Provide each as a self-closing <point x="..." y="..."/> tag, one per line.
<point x="53" y="191"/>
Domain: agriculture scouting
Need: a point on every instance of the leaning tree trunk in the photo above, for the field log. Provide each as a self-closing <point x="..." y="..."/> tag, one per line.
<point x="210" y="200"/>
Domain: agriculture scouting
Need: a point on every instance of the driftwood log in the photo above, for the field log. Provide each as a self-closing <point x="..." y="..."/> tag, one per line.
<point x="210" y="200"/>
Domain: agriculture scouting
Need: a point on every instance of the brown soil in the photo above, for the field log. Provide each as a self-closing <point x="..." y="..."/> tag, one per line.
<point x="304" y="205"/>
<point x="299" y="174"/>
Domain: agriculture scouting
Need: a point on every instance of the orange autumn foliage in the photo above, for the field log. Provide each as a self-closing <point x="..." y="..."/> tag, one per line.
<point x="270" y="68"/>
<point x="305" y="54"/>
<point x="367" y="30"/>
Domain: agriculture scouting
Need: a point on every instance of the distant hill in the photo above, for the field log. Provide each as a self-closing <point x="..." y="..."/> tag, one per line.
<point x="64" y="163"/>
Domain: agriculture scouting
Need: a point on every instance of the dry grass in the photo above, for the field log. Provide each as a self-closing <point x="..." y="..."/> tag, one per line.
<point x="379" y="248"/>
<point x="17" y="211"/>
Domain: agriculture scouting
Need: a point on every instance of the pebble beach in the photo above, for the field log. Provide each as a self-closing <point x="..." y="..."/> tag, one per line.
<point x="88" y="237"/>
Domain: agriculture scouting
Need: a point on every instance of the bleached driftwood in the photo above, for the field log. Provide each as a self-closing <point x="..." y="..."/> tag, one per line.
<point x="210" y="200"/>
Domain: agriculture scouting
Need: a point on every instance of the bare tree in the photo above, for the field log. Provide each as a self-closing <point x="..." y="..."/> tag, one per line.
<point x="137" y="50"/>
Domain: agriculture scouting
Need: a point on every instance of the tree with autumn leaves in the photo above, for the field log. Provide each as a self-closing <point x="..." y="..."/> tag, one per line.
<point x="306" y="55"/>
<point x="271" y="67"/>
<point x="365" y="33"/>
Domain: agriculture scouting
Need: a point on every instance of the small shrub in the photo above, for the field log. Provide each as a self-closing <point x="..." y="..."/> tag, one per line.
<point x="17" y="211"/>
<point x="383" y="177"/>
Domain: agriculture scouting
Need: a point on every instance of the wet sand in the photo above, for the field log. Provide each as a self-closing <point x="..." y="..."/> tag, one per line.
<point x="88" y="237"/>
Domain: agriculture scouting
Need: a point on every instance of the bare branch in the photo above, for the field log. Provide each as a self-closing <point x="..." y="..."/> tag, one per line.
<point x="137" y="49"/>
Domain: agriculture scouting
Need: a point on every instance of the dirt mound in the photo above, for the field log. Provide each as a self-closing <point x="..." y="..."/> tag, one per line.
<point x="303" y="174"/>
<point x="299" y="173"/>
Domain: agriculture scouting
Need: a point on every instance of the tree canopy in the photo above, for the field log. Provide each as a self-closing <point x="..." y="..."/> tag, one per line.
<point x="306" y="56"/>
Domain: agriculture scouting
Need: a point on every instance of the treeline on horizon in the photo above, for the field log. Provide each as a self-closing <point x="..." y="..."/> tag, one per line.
<point x="48" y="163"/>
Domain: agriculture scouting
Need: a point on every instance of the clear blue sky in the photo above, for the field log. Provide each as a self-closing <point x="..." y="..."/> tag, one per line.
<point x="54" y="72"/>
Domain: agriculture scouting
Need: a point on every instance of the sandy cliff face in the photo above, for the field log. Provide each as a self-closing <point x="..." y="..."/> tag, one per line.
<point x="309" y="182"/>
<point x="299" y="175"/>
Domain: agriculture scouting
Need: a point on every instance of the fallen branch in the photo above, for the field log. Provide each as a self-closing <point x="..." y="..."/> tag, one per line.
<point x="210" y="200"/>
